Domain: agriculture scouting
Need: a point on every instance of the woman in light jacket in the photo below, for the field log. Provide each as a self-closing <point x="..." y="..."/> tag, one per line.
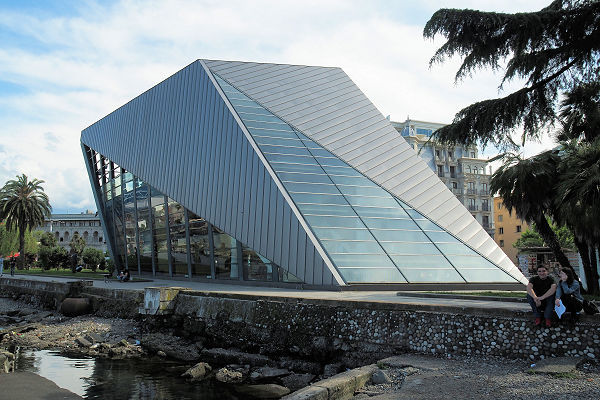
<point x="568" y="291"/>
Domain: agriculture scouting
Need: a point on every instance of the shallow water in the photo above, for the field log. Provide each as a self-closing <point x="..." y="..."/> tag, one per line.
<point x="99" y="378"/>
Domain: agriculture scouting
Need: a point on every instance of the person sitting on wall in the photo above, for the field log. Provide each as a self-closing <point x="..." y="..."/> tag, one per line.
<point x="121" y="275"/>
<point x="540" y="295"/>
<point x="568" y="290"/>
<point x="126" y="276"/>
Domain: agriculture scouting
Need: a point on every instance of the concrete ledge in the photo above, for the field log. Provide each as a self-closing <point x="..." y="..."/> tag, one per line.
<point x="339" y="387"/>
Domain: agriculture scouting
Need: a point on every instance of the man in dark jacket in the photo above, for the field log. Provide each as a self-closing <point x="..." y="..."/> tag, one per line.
<point x="540" y="295"/>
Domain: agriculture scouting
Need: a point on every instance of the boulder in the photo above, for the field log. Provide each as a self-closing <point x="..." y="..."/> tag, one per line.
<point x="380" y="377"/>
<point x="226" y="356"/>
<point x="267" y="391"/>
<point x="301" y="366"/>
<point x="197" y="372"/>
<point x="227" y="376"/>
<point x="75" y="306"/>
<point x="331" y="369"/>
<point x="83" y="342"/>
<point x="297" y="381"/>
<point x="268" y="373"/>
<point x="7" y="362"/>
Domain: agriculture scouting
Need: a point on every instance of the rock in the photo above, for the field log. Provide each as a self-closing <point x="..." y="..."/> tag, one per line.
<point x="297" y="381"/>
<point x="124" y="343"/>
<point x="171" y="346"/>
<point x="197" y="372"/>
<point x="425" y="363"/>
<point x="331" y="370"/>
<point x="558" y="365"/>
<point x="7" y="362"/>
<point x="380" y="377"/>
<point x="301" y="366"/>
<point x="267" y="391"/>
<point x="83" y="342"/>
<point x="161" y="353"/>
<point x="226" y="376"/>
<point x="266" y="373"/>
<point x="226" y="356"/>
<point x="75" y="306"/>
<point x="94" y="338"/>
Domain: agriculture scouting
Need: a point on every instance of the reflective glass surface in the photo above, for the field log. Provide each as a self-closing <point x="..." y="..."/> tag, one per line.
<point x="177" y="237"/>
<point x="199" y="246"/>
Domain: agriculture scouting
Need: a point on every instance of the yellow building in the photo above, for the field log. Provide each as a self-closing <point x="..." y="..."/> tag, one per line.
<point x="508" y="229"/>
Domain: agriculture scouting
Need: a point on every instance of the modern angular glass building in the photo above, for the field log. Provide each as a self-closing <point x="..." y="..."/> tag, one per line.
<point x="277" y="173"/>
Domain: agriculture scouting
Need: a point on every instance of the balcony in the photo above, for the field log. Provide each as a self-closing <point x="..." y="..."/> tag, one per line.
<point x="484" y="192"/>
<point x="471" y="191"/>
<point x="486" y="207"/>
<point x="473" y="207"/>
<point x="458" y="191"/>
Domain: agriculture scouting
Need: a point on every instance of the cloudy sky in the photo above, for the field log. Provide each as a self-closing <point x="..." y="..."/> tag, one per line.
<point x="66" y="64"/>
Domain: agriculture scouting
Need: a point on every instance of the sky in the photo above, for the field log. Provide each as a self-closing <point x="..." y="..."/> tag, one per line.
<point x="66" y="64"/>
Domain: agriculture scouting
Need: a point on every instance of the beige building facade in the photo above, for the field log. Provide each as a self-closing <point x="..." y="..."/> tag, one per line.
<point x="508" y="229"/>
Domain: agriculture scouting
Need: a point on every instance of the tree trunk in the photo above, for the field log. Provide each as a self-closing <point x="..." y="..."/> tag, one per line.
<point x="583" y="249"/>
<point x="22" y="247"/>
<point x="551" y="240"/>
<point x="595" y="288"/>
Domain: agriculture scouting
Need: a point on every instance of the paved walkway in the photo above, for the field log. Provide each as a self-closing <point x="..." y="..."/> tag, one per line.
<point x="390" y="297"/>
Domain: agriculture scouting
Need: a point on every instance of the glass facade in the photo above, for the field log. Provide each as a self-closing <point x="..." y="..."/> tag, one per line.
<point x="167" y="238"/>
<point x="370" y="235"/>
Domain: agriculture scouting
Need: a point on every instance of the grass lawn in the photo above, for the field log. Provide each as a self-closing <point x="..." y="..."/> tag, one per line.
<point x="85" y="274"/>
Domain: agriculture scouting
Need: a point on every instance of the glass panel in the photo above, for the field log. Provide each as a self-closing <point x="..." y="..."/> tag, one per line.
<point x="341" y="171"/>
<point x="290" y="158"/>
<point x="226" y="255"/>
<point x="486" y="275"/>
<point x="427" y="225"/>
<point x="400" y="236"/>
<point x="362" y="191"/>
<point x="280" y="132"/>
<point x="199" y="246"/>
<point x="352" y="180"/>
<point x="277" y="141"/>
<point x="143" y="221"/>
<point x="177" y="236"/>
<point x="346" y="246"/>
<point x="295" y="177"/>
<point x="420" y="261"/>
<point x="335" y="222"/>
<point x="470" y="262"/>
<point x="130" y="227"/>
<point x="324" y="209"/>
<point x="371" y="275"/>
<point x="159" y="220"/>
<point x="383" y="223"/>
<point x="307" y="168"/>
<point x="432" y="275"/>
<point x="264" y="125"/>
<point x="319" y="152"/>
<point x="285" y="276"/>
<point x="301" y="151"/>
<point x="312" y="188"/>
<point x="256" y="267"/>
<point x="362" y="260"/>
<point x="371" y="201"/>
<point x="438" y="237"/>
<point x="343" y="234"/>
<point x="410" y="248"/>
<point x="319" y="198"/>
<point x="119" y="234"/>
<point x="258" y="117"/>
<point x="336" y="162"/>
<point x="381" y="212"/>
<point x="455" y="248"/>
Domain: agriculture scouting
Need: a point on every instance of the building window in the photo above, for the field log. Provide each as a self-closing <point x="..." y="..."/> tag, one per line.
<point x="484" y="188"/>
<point x="450" y="154"/>
<point x="518" y="228"/>
<point x="437" y="154"/>
<point x="501" y="243"/>
<point x="454" y="185"/>
<point x="500" y="218"/>
<point x="485" y="205"/>
<point x="452" y="172"/>
<point x="500" y="231"/>
<point x="440" y="170"/>
<point x="472" y="206"/>
<point x="499" y="206"/>
<point x="472" y="154"/>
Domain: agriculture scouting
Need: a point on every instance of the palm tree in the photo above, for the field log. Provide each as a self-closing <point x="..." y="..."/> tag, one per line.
<point x="23" y="205"/>
<point x="527" y="187"/>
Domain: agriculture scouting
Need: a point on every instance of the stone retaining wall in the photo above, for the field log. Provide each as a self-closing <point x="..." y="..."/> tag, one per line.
<point x="357" y="332"/>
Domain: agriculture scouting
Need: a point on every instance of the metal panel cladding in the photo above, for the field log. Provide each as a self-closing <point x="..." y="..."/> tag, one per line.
<point x="181" y="138"/>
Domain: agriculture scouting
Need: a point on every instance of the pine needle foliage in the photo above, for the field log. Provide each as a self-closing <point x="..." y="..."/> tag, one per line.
<point x="554" y="50"/>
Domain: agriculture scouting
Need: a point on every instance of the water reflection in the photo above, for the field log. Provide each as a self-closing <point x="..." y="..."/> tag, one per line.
<point x="118" y="379"/>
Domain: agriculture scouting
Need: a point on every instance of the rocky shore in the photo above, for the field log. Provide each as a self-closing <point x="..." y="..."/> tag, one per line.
<point x="258" y="376"/>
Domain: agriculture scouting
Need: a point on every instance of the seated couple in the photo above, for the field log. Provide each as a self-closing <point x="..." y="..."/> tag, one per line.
<point x="543" y="294"/>
<point x="124" y="276"/>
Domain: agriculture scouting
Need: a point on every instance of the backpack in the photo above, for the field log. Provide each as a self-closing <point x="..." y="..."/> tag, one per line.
<point x="589" y="307"/>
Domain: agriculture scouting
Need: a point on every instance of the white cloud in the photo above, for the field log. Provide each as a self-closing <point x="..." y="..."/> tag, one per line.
<point x="75" y="69"/>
